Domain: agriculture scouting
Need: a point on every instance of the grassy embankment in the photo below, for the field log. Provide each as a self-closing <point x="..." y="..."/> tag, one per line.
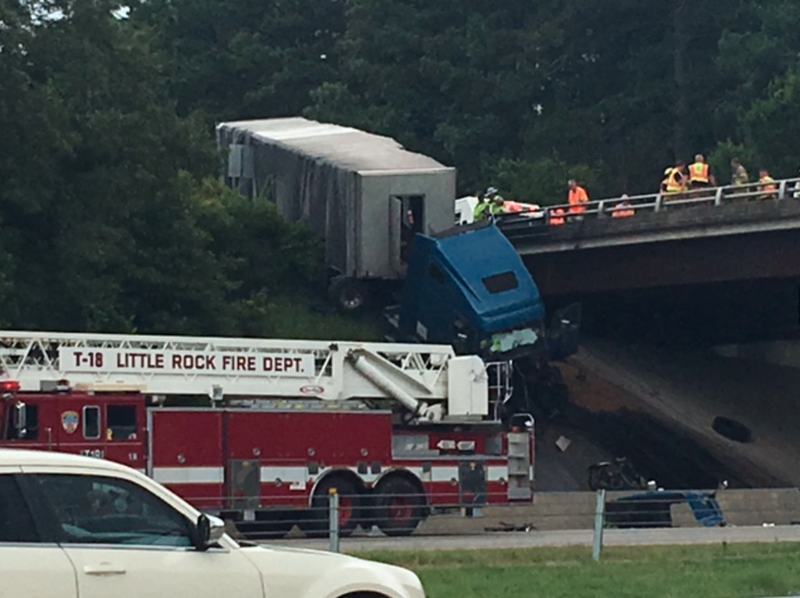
<point x="300" y="321"/>
<point x="717" y="571"/>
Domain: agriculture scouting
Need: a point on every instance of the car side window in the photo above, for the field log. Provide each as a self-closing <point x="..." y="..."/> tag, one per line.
<point x="16" y="521"/>
<point x="105" y="510"/>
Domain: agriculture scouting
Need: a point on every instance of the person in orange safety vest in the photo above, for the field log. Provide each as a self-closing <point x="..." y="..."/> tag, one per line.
<point x="623" y="209"/>
<point x="556" y="216"/>
<point x="576" y="197"/>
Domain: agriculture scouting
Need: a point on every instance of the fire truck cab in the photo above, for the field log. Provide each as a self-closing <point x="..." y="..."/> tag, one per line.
<point x="261" y="432"/>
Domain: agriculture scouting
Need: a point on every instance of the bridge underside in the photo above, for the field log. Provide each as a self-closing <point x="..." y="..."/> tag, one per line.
<point x="722" y="274"/>
<point x="697" y="261"/>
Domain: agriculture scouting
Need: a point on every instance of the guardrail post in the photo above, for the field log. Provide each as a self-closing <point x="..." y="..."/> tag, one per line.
<point x="659" y="203"/>
<point x="718" y="196"/>
<point x="601" y="209"/>
<point x="333" y="520"/>
<point x="599" y="522"/>
<point x="782" y="190"/>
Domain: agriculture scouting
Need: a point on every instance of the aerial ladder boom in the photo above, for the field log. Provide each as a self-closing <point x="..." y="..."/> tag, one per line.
<point x="431" y="381"/>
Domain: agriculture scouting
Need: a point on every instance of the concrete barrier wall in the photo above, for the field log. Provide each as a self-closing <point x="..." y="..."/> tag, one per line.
<point x="575" y="511"/>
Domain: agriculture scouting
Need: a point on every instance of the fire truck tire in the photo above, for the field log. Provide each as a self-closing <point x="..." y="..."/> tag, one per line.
<point x="400" y="505"/>
<point x="316" y="524"/>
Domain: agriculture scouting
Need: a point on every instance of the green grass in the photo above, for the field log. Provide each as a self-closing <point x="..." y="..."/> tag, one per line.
<point x="716" y="571"/>
<point x="299" y="321"/>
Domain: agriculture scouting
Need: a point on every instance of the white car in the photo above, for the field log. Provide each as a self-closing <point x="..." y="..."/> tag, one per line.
<point x="81" y="527"/>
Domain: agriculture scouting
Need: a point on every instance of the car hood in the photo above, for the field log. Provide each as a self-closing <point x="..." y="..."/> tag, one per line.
<point x="302" y="573"/>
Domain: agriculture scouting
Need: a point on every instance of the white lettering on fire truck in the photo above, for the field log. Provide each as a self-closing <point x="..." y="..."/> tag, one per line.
<point x="198" y="362"/>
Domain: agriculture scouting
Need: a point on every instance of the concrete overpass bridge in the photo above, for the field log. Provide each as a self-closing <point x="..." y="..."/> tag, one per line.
<point x="732" y="251"/>
<point x="708" y="236"/>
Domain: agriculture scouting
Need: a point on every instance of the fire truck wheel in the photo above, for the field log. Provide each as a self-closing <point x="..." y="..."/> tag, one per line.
<point x="317" y="523"/>
<point x="399" y="506"/>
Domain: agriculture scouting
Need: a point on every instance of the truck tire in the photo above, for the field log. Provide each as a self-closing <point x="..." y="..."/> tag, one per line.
<point x="348" y="294"/>
<point x="399" y="506"/>
<point x="316" y="524"/>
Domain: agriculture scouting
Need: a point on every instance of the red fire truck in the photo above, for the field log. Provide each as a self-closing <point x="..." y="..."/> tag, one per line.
<point x="260" y="431"/>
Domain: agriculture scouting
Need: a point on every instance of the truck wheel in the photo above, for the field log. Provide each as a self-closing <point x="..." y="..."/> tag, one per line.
<point x="399" y="506"/>
<point x="348" y="294"/>
<point x="317" y="523"/>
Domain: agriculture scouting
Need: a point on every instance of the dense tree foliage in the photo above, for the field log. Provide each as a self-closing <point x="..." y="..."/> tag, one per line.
<point x="111" y="214"/>
<point x="112" y="218"/>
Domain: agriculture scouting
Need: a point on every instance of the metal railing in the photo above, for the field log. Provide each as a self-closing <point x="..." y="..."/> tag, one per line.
<point x="625" y="207"/>
<point x="600" y="518"/>
<point x="366" y="516"/>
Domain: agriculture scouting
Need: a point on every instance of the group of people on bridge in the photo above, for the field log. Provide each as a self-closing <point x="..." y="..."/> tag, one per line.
<point x="491" y="205"/>
<point x="680" y="182"/>
<point x="678" y="179"/>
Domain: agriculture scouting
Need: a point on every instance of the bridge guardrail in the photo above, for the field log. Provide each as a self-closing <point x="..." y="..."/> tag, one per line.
<point x="628" y="206"/>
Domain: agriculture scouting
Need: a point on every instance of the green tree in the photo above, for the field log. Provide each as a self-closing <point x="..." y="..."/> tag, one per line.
<point x="245" y="59"/>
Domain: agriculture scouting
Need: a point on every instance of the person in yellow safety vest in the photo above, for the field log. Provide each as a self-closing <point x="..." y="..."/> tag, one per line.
<point x="623" y="209"/>
<point x="496" y="202"/>
<point x="699" y="175"/>
<point x="490" y="206"/>
<point x="767" y="186"/>
<point x="481" y="210"/>
<point x="674" y="180"/>
<point x="556" y="216"/>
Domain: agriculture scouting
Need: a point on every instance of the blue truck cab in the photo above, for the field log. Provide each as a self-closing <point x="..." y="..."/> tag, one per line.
<point x="468" y="287"/>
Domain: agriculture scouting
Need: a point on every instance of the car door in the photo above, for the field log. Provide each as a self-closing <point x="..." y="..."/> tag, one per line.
<point x="30" y="566"/>
<point x="126" y="541"/>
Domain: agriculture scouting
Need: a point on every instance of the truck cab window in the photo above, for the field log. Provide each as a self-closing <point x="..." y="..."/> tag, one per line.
<point x="11" y="429"/>
<point x="499" y="283"/>
<point x="121" y="422"/>
<point x="16" y="522"/>
<point x="91" y="422"/>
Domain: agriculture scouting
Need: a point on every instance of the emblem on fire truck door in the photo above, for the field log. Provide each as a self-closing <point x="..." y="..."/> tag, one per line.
<point x="69" y="421"/>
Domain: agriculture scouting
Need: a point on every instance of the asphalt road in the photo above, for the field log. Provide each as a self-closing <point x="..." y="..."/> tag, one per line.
<point x="611" y="537"/>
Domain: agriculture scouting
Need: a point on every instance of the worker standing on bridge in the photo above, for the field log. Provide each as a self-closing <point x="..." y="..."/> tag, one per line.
<point x="739" y="175"/>
<point x="481" y="210"/>
<point x="623" y="209"/>
<point x="496" y="202"/>
<point x="699" y="175"/>
<point x="491" y="206"/>
<point x="577" y="199"/>
<point x="767" y="187"/>
<point x="674" y="179"/>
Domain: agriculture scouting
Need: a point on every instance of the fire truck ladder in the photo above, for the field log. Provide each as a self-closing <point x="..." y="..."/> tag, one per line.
<point x="429" y="380"/>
